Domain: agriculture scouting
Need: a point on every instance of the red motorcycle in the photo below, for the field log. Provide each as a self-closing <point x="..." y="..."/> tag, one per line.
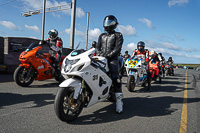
<point x="35" y="66"/>
<point x="168" y="69"/>
<point x="154" y="70"/>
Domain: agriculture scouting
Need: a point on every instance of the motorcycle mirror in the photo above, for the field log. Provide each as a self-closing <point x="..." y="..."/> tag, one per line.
<point x="77" y="46"/>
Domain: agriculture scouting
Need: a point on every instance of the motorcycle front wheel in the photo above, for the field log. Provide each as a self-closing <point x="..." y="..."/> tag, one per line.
<point x="167" y="72"/>
<point x="21" y="78"/>
<point x="66" y="108"/>
<point x="131" y="83"/>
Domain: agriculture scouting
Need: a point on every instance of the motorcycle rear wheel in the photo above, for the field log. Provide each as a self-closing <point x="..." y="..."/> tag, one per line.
<point x="20" y="76"/>
<point x="131" y="83"/>
<point x="65" y="106"/>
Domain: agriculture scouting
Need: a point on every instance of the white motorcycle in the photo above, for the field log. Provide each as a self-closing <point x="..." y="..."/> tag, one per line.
<point x="136" y="71"/>
<point x="86" y="84"/>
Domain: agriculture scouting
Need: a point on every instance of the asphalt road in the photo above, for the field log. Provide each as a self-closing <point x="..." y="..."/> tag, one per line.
<point x="172" y="106"/>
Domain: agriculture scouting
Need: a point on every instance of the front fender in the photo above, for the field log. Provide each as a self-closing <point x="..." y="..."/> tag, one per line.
<point x="75" y="83"/>
<point x="70" y="82"/>
<point x="25" y="65"/>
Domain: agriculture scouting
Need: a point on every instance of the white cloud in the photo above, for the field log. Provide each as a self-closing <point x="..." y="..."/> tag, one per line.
<point x="67" y="31"/>
<point x="33" y="37"/>
<point x="166" y="48"/>
<point x="77" y="32"/>
<point x="170" y="46"/>
<point x="127" y="30"/>
<point x="79" y="12"/>
<point x="34" y="28"/>
<point x="38" y="4"/>
<point x="179" y="2"/>
<point x="10" y="25"/>
<point x="147" y="22"/>
<point x="177" y="36"/>
<point x="92" y="34"/>
<point x="131" y="47"/>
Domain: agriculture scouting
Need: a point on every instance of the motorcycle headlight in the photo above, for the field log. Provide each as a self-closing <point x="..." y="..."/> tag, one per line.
<point x="67" y="68"/>
<point x="69" y="63"/>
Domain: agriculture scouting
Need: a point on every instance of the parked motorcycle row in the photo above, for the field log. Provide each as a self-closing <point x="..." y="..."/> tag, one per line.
<point x="85" y="79"/>
<point x="137" y="75"/>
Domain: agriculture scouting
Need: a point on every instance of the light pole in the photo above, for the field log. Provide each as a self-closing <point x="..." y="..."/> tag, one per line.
<point x="73" y="13"/>
<point x="44" y="10"/>
<point x="87" y="29"/>
<point x="43" y="19"/>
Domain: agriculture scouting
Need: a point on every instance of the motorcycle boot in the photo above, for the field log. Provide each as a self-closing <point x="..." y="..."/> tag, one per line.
<point x="149" y="80"/>
<point x="57" y="69"/>
<point x="172" y="72"/>
<point x="119" y="103"/>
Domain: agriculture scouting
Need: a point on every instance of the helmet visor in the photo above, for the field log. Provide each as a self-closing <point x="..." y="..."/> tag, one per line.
<point x="109" y="22"/>
<point x="51" y="33"/>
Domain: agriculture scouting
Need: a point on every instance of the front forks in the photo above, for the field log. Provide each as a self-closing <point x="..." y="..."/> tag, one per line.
<point x="78" y="90"/>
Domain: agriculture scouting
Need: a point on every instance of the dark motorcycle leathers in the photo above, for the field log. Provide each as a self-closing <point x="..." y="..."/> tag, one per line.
<point x="109" y="45"/>
<point x="55" y="49"/>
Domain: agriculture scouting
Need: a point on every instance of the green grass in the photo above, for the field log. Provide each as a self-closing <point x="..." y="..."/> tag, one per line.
<point x="192" y="65"/>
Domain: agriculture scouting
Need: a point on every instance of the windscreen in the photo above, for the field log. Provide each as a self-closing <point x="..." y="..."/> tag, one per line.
<point x="32" y="46"/>
<point x="77" y="52"/>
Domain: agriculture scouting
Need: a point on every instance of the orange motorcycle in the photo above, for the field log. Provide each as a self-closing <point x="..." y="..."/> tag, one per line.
<point x="35" y="66"/>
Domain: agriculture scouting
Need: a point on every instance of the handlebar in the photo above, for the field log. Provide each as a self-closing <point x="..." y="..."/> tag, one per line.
<point x="95" y="60"/>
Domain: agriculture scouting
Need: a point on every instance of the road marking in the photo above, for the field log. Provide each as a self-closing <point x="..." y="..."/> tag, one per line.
<point x="183" y="125"/>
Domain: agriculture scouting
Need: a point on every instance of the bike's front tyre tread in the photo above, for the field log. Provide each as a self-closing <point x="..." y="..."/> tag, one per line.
<point x="130" y="83"/>
<point x="58" y="105"/>
<point x="17" y="79"/>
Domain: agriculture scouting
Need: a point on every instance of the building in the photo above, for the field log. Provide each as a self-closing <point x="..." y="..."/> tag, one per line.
<point x="11" y="48"/>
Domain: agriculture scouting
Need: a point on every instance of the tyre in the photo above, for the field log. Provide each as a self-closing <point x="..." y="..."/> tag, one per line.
<point x="160" y="79"/>
<point x="66" y="108"/>
<point x="145" y="83"/>
<point x="131" y="83"/>
<point x="167" y="72"/>
<point x="20" y="76"/>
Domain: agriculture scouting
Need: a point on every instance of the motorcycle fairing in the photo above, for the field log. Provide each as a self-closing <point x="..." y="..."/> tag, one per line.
<point x="75" y="83"/>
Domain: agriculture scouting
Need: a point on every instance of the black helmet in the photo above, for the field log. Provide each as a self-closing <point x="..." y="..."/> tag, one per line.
<point x="110" y="23"/>
<point x="126" y="52"/>
<point x="160" y="54"/>
<point x="141" y="43"/>
<point x="170" y="59"/>
<point x="94" y="43"/>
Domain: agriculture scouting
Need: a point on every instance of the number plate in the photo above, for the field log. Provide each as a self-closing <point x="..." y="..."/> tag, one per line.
<point x="132" y="63"/>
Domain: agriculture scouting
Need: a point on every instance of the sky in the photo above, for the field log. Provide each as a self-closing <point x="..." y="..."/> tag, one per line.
<point x="170" y="27"/>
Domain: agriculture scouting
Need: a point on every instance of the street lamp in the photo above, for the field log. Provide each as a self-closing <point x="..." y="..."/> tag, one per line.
<point x="26" y="14"/>
<point x="72" y="6"/>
